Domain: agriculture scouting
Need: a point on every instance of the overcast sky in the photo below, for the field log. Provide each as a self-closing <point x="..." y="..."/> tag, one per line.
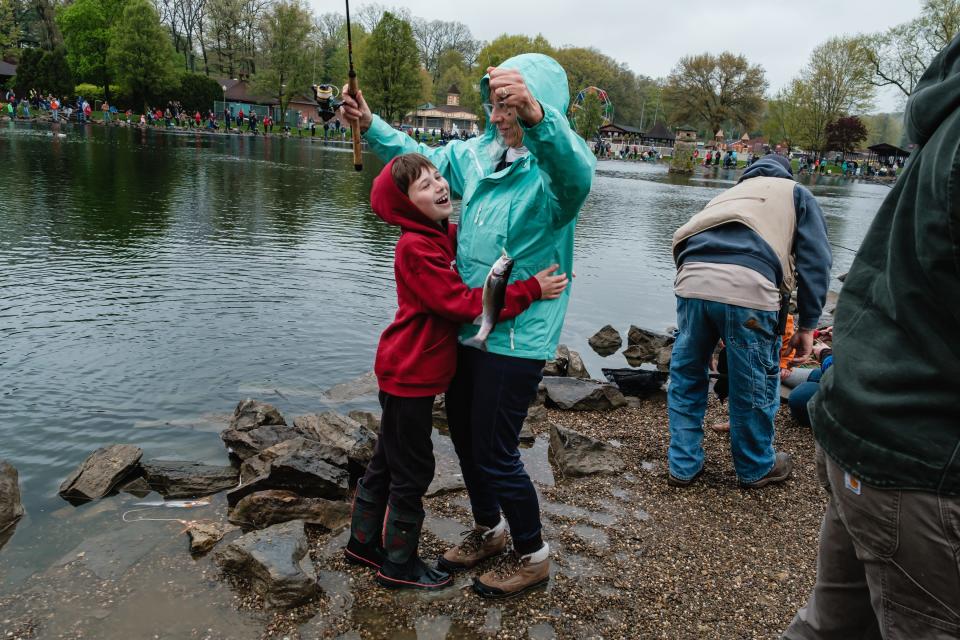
<point x="651" y="36"/>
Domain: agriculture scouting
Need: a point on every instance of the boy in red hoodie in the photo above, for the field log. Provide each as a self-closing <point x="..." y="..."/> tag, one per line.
<point x="416" y="360"/>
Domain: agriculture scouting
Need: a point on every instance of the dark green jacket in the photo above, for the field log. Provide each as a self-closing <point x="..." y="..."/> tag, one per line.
<point x="888" y="411"/>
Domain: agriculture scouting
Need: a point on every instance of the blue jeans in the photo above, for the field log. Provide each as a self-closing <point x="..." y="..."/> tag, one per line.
<point x="487" y="403"/>
<point x="753" y="348"/>
<point x="801" y="395"/>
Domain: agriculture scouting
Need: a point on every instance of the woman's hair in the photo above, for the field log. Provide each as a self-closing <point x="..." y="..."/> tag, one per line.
<point x="407" y="168"/>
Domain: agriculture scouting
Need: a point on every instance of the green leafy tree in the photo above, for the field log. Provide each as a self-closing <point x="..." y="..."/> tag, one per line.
<point x="716" y="89"/>
<point x="390" y="69"/>
<point x="141" y="54"/>
<point x="589" y="117"/>
<point x="87" y="27"/>
<point x="782" y="121"/>
<point x="198" y="92"/>
<point x="10" y="30"/>
<point x="884" y="127"/>
<point x="456" y="71"/>
<point x="900" y="55"/>
<point x="44" y="71"/>
<point x="507" y="46"/>
<point x="835" y="82"/>
<point x="287" y="52"/>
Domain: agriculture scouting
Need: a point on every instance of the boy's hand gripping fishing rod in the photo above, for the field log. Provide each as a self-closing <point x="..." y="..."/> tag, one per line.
<point x="353" y="89"/>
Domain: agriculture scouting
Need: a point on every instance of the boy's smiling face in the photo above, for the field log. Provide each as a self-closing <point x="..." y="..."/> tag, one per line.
<point x="430" y="193"/>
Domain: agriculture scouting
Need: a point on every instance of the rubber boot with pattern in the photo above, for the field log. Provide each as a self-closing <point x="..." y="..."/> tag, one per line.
<point x="402" y="567"/>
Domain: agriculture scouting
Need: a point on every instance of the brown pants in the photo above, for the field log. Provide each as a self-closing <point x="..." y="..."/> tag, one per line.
<point x="888" y="566"/>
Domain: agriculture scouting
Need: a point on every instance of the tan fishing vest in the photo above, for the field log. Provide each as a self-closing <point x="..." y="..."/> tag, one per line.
<point x="763" y="204"/>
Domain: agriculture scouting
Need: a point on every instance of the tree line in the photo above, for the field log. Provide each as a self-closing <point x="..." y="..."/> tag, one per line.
<point x="147" y="49"/>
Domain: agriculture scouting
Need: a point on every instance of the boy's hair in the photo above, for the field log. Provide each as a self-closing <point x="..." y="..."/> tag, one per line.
<point x="407" y="168"/>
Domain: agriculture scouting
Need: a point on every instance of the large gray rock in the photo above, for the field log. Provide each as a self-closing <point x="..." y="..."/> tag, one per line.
<point x="605" y="341"/>
<point x="247" y="443"/>
<point x="340" y="432"/>
<point x="251" y="414"/>
<point x="100" y="472"/>
<point x="11" y="509"/>
<point x="645" y="345"/>
<point x="578" y="455"/>
<point x="180" y="479"/>
<point x="305" y="466"/>
<point x="265" y="508"/>
<point x="276" y="563"/>
<point x="582" y="395"/>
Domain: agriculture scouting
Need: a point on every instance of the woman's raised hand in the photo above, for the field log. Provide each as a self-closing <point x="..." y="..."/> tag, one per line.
<point x="354" y="108"/>
<point x="508" y="86"/>
<point x="551" y="286"/>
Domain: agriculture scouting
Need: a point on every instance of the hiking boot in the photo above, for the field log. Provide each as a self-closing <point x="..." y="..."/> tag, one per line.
<point x="477" y="545"/>
<point x="402" y="568"/>
<point x="782" y="466"/>
<point x="674" y="481"/>
<point x="522" y="574"/>
<point x="365" y="546"/>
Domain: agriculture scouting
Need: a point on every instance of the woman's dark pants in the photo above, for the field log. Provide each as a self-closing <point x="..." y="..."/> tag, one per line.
<point x="402" y="464"/>
<point x="487" y="403"/>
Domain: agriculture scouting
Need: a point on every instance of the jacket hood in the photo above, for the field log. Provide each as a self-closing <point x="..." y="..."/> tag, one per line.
<point x="767" y="168"/>
<point x="394" y="207"/>
<point x="936" y="96"/>
<point x="544" y="76"/>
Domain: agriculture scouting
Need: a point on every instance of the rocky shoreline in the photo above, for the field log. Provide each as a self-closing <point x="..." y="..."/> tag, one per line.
<point x="632" y="556"/>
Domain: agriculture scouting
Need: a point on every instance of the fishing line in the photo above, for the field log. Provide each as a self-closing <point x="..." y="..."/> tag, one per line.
<point x="840" y="246"/>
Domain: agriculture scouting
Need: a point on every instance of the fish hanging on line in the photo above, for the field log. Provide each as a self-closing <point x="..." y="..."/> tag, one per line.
<point x="494" y="296"/>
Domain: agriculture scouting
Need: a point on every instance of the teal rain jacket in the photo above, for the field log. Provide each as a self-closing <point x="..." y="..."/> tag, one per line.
<point x="529" y="209"/>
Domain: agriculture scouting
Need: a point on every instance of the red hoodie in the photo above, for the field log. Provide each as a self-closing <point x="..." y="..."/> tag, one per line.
<point x="417" y="355"/>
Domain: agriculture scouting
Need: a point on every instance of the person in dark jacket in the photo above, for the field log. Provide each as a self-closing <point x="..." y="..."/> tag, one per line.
<point x="887" y="415"/>
<point x="738" y="261"/>
<point x="416" y="359"/>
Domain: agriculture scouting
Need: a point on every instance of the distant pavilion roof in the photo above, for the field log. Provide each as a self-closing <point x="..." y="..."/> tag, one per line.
<point x="888" y="150"/>
<point x="7" y="69"/>
<point x="621" y="128"/>
<point x="659" y="131"/>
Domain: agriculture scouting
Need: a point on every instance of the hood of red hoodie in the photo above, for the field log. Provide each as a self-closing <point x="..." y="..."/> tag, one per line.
<point x="394" y="207"/>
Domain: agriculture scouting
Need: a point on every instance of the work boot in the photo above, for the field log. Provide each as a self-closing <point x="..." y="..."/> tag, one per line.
<point x="522" y="574"/>
<point x="402" y="568"/>
<point x="477" y="545"/>
<point x="365" y="546"/>
<point x="782" y="466"/>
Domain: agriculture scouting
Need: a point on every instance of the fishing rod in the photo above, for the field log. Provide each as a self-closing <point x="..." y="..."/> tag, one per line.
<point x="353" y="89"/>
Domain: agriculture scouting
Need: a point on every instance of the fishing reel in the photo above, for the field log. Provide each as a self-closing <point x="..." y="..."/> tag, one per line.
<point x="327" y="102"/>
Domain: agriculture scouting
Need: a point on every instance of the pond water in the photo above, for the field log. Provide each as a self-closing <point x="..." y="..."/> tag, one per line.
<point x="148" y="281"/>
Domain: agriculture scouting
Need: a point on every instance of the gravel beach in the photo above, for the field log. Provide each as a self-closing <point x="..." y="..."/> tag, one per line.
<point x="633" y="558"/>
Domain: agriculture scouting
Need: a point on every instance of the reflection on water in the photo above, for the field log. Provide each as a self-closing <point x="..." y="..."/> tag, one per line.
<point x="147" y="280"/>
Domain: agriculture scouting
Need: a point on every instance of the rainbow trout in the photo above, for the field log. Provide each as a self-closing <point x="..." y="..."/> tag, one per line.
<point x="494" y="295"/>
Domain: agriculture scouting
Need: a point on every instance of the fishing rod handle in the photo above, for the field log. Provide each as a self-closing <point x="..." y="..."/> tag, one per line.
<point x="354" y="89"/>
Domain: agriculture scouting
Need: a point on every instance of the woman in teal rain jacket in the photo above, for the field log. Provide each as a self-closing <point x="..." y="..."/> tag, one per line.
<point x="522" y="183"/>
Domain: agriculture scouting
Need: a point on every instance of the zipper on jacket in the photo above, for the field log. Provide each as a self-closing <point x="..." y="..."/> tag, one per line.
<point x="476" y="216"/>
<point x="512" y="346"/>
